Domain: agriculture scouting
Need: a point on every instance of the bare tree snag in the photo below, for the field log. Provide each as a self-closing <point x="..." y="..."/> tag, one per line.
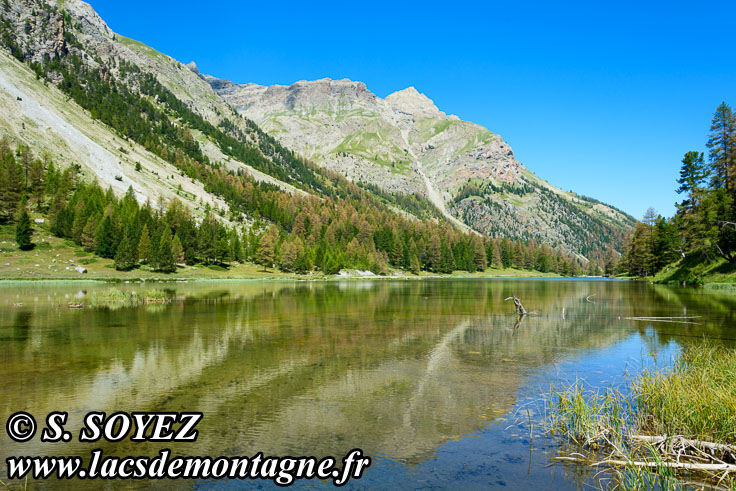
<point x="519" y="308"/>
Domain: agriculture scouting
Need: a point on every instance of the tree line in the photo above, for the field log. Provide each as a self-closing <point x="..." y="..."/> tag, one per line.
<point x="293" y="233"/>
<point x="704" y="226"/>
<point x="340" y="225"/>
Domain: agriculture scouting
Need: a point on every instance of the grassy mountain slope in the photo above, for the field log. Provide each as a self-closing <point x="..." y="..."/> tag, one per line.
<point x="404" y="143"/>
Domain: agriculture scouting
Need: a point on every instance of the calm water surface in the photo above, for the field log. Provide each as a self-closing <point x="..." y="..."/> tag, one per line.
<point x="436" y="380"/>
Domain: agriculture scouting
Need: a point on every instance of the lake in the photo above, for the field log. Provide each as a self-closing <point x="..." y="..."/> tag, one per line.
<point x="437" y="380"/>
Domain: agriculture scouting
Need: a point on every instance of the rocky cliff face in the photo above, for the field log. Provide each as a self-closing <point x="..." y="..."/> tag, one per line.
<point x="405" y="143"/>
<point x="38" y="115"/>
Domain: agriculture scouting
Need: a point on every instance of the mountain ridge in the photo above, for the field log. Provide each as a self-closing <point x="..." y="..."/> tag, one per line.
<point x="404" y="143"/>
<point x="401" y="149"/>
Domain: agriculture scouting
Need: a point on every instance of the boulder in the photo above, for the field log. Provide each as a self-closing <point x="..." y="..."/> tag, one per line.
<point x="80" y="270"/>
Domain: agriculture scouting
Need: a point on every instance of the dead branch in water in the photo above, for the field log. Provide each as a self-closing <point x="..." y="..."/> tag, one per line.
<point x="588" y="298"/>
<point x="519" y="308"/>
<point x="678" y="441"/>
<point x="673" y="465"/>
<point x="678" y="320"/>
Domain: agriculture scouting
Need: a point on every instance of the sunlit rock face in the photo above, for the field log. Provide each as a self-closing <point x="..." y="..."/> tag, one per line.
<point x="404" y="143"/>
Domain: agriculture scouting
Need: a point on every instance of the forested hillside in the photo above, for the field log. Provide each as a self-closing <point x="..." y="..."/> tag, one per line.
<point x="699" y="243"/>
<point x="330" y="224"/>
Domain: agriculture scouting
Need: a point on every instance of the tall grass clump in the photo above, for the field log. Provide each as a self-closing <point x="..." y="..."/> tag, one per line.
<point x="696" y="399"/>
<point x="590" y="418"/>
<point x="113" y="298"/>
<point x="676" y="428"/>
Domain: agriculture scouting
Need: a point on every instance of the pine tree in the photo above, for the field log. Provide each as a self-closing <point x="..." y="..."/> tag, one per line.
<point x="693" y="175"/>
<point x="89" y="233"/>
<point x="177" y="250"/>
<point x="434" y="254"/>
<point x="164" y="255"/>
<point x="105" y="238"/>
<point x="447" y="263"/>
<point x="24" y="232"/>
<point x="722" y="145"/>
<point x="144" y="245"/>
<point x="222" y="248"/>
<point x="11" y="186"/>
<point x="479" y="254"/>
<point x="126" y="257"/>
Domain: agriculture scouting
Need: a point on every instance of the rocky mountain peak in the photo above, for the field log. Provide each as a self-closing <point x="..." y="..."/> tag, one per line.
<point x="411" y="101"/>
<point x="87" y="20"/>
<point x="193" y="67"/>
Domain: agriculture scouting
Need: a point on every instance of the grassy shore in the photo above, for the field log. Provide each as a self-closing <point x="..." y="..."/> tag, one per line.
<point x="718" y="274"/>
<point x="55" y="259"/>
<point x="675" y="427"/>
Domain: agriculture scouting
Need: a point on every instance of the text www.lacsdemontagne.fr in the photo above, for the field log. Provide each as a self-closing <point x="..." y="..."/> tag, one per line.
<point x="283" y="471"/>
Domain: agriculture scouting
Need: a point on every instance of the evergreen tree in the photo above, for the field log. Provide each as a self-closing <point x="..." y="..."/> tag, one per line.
<point x="89" y="234"/>
<point x="105" y="238"/>
<point x="177" y="250"/>
<point x="222" y="247"/>
<point x="24" y="232"/>
<point x="693" y="175"/>
<point x="479" y="254"/>
<point x="126" y="257"/>
<point x="11" y="185"/>
<point x="434" y="254"/>
<point x="722" y="145"/>
<point x="37" y="185"/>
<point x="164" y="255"/>
<point x="144" y="246"/>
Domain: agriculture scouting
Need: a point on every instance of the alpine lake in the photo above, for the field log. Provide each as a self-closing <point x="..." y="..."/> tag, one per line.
<point x="438" y="381"/>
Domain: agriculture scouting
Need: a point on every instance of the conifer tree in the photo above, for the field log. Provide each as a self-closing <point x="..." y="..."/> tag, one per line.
<point x="289" y="254"/>
<point x="126" y="257"/>
<point x="164" y="254"/>
<point x="177" y="249"/>
<point x="496" y="258"/>
<point x="105" y="238"/>
<point x="693" y="175"/>
<point x="11" y="186"/>
<point x="24" y="232"/>
<point x="265" y="255"/>
<point x="479" y="254"/>
<point x="222" y="247"/>
<point x="89" y="233"/>
<point x="722" y="145"/>
<point x="434" y="254"/>
<point x="144" y="246"/>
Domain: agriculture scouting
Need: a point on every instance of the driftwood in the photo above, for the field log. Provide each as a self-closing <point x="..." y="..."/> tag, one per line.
<point x="677" y="320"/>
<point x="714" y="447"/>
<point x="519" y="308"/>
<point x="675" y="465"/>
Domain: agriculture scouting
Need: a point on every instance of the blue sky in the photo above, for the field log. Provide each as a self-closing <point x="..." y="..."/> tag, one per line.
<point x="602" y="98"/>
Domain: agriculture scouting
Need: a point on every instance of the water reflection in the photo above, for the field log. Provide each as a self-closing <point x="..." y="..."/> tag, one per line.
<point x="395" y="368"/>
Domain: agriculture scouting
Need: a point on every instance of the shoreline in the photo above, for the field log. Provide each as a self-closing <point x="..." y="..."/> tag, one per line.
<point x="299" y="278"/>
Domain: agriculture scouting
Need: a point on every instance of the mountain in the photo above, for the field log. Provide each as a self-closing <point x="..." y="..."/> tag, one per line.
<point x="405" y="143"/>
<point x="134" y="119"/>
<point x="54" y="122"/>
